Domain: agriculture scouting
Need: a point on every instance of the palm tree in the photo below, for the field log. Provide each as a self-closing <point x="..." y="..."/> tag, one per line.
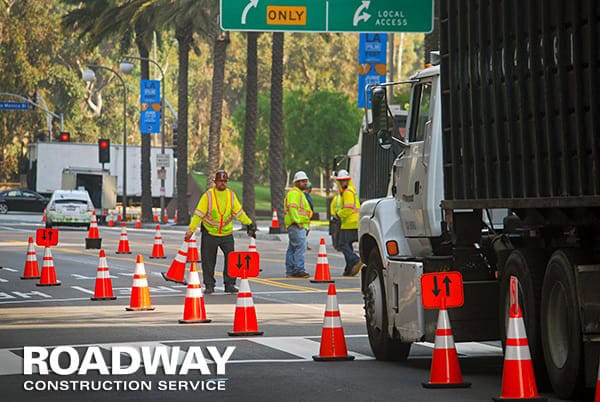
<point x="276" y="171"/>
<point x="251" y="123"/>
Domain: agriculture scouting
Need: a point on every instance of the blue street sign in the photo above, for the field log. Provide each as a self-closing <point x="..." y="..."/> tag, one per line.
<point x="372" y="68"/>
<point x="149" y="121"/>
<point x="8" y="105"/>
<point x="372" y="48"/>
<point x="150" y="91"/>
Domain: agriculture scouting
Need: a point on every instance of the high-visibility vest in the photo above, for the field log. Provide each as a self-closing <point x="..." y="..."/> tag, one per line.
<point x="296" y="207"/>
<point x="350" y="207"/>
<point x="216" y="210"/>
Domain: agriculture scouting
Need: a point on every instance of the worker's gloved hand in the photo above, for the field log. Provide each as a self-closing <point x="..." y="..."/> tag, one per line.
<point x="251" y="229"/>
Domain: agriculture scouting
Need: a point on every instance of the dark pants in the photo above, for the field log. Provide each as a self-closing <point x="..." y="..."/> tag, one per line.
<point x="347" y="237"/>
<point x="208" y="253"/>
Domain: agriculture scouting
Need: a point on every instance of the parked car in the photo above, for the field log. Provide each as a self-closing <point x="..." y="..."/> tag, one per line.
<point x="69" y="208"/>
<point x="21" y="200"/>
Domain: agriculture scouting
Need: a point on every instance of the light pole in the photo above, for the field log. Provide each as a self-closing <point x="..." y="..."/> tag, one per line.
<point x="127" y="68"/>
<point x="89" y="76"/>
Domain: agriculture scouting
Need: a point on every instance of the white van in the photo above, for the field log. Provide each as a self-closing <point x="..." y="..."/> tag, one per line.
<point x="69" y="208"/>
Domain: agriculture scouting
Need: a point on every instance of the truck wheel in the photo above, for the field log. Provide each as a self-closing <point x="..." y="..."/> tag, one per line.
<point x="383" y="347"/>
<point x="561" y="327"/>
<point x="527" y="266"/>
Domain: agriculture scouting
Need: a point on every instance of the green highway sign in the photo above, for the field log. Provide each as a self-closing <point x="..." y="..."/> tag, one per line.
<point x="327" y="15"/>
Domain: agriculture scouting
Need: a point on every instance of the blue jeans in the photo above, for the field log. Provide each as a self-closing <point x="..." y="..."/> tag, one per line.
<point x="347" y="237"/>
<point x="294" y="257"/>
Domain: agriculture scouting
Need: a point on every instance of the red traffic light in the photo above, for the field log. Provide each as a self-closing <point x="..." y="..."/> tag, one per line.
<point x="104" y="150"/>
<point x="103" y="144"/>
<point x="65" y="137"/>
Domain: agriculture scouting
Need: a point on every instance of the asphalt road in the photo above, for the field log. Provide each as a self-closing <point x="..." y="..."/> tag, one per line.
<point x="276" y="366"/>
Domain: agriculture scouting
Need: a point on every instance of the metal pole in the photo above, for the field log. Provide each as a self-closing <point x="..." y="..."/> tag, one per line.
<point x="162" y="131"/>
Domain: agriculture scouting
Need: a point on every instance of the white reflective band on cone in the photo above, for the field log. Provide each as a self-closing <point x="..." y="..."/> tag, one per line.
<point x="331" y="303"/>
<point x="244" y="286"/>
<point x="195" y="293"/>
<point x="517" y="353"/>
<point x="443" y="320"/>
<point x="444" y="342"/>
<point x="103" y="274"/>
<point x="244" y="302"/>
<point x="193" y="278"/>
<point x="332" y="322"/>
<point x="140" y="283"/>
<point x="139" y="269"/>
<point x="516" y="329"/>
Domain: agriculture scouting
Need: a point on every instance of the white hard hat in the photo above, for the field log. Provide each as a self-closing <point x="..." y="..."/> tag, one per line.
<point x="300" y="175"/>
<point x="342" y="174"/>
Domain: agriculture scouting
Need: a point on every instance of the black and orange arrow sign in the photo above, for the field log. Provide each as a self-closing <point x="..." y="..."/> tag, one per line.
<point x="436" y="286"/>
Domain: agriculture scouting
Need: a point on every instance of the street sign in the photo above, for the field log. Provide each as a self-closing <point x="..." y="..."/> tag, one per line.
<point x="8" y="105"/>
<point x="372" y="68"/>
<point x="327" y="15"/>
<point x="243" y="264"/>
<point x="436" y="286"/>
<point x="149" y="119"/>
<point x="46" y="237"/>
<point x="163" y="160"/>
<point x="150" y="91"/>
<point x="161" y="173"/>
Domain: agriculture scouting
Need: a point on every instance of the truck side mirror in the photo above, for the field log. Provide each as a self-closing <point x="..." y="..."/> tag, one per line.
<point x="379" y="109"/>
<point x="384" y="139"/>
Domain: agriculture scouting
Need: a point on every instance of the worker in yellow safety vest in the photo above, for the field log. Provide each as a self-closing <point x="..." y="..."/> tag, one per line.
<point x="297" y="218"/>
<point x="216" y="210"/>
<point x="346" y="208"/>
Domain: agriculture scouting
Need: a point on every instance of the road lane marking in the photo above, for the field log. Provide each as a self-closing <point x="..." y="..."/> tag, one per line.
<point x="82" y="290"/>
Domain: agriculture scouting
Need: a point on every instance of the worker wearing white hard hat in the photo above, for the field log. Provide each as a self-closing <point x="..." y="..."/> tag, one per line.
<point x="297" y="217"/>
<point x="346" y="208"/>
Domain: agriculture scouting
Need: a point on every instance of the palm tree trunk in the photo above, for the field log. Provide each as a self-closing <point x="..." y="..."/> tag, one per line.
<point x="276" y="134"/>
<point x="249" y="195"/>
<point x="183" y="33"/>
<point x="216" y="105"/>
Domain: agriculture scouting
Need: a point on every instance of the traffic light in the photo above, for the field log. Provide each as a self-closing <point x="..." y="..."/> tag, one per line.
<point x="174" y="126"/>
<point x="104" y="150"/>
<point x="64" y="136"/>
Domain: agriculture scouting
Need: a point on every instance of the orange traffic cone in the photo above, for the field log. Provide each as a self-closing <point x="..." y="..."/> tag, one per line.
<point x="193" y="309"/>
<point x="597" y="398"/>
<point x="165" y="217"/>
<point x="518" y="379"/>
<point x="110" y="221"/>
<point x="274" y="228"/>
<point x="103" y="290"/>
<point x="140" y="292"/>
<point x="48" y="277"/>
<point x="157" y="250"/>
<point x="252" y="245"/>
<point x="119" y="216"/>
<point x="138" y="222"/>
<point x="93" y="230"/>
<point x="244" y="322"/>
<point x="123" y="241"/>
<point x="333" y="343"/>
<point x="445" y="370"/>
<point x="192" y="254"/>
<point x="154" y="216"/>
<point x="31" y="270"/>
<point x="322" y="270"/>
<point x="175" y="217"/>
<point x="176" y="272"/>
<point x="44" y="216"/>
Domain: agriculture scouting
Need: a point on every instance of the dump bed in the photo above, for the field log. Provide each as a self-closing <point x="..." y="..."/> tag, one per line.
<point x="521" y="107"/>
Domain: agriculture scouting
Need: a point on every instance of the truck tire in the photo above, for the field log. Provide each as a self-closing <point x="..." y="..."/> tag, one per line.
<point x="561" y="327"/>
<point x="383" y="347"/>
<point x="528" y="266"/>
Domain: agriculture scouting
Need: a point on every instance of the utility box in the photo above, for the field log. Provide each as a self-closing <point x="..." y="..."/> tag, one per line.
<point x="101" y="186"/>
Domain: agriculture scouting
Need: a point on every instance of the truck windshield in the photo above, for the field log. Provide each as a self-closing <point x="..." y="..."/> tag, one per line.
<point x="420" y="112"/>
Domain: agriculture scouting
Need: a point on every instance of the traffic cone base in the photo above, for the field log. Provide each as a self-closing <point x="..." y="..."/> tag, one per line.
<point x="31" y="270"/>
<point x="322" y="274"/>
<point x="103" y="289"/>
<point x="245" y="323"/>
<point x="333" y="342"/>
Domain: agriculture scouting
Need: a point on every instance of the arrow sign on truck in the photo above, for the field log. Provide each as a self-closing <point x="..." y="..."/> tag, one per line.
<point x="436" y="286"/>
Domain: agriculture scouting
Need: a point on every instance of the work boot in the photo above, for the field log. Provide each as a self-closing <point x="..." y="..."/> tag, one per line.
<point x="356" y="268"/>
<point x="231" y="289"/>
<point x="209" y="290"/>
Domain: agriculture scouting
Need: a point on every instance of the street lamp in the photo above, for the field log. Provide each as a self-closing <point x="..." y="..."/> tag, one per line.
<point x="127" y="68"/>
<point x="89" y="76"/>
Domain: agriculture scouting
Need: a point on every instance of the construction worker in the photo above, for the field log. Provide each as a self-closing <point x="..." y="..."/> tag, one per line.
<point x="216" y="210"/>
<point x="297" y="218"/>
<point x="346" y="207"/>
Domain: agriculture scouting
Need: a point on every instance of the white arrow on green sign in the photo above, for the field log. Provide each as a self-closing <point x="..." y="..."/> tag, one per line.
<point x="327" y="15"/>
